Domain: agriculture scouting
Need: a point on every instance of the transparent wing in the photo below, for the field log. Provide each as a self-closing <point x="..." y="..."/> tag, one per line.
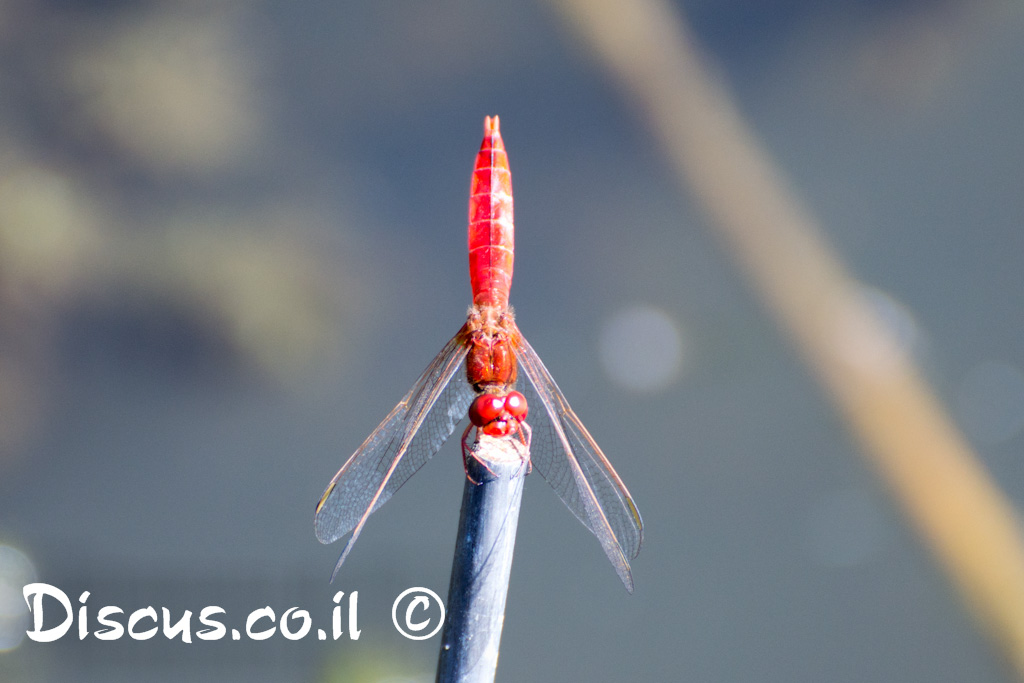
<point x="566" y="455"/>
<point x="411" y="433"/>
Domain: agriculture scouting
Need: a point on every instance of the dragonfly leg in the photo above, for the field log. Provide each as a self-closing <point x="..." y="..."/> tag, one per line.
<point x="525" y="437"/>
<point x="467" y="452"/>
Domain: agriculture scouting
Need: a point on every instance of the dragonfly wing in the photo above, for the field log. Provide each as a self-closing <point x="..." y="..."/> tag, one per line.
<point x="570" y="460"/>
<point x="411" y="433"/>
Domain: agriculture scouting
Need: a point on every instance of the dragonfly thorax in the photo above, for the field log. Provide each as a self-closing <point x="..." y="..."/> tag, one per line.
<point x="490" y="360"/>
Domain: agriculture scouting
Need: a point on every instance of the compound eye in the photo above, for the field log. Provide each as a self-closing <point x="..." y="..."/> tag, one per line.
<point x="485" y="409"/>
<point x="515" y="404"/>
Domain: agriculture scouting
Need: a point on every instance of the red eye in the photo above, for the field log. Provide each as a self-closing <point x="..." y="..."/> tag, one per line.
<point x="515" y="404"/>
<point x="485" y="409"/>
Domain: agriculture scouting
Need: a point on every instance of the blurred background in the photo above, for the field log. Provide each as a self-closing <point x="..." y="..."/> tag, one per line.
<point x="233" y="234"/>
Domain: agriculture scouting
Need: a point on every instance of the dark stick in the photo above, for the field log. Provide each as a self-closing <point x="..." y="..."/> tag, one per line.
<point x="483" y="560"/>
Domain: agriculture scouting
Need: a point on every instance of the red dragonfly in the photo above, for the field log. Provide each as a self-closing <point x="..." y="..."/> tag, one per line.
<point x="475" y="374"/>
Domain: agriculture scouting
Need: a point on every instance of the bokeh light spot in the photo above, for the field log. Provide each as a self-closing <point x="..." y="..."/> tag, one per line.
<point x="897" y="319"/>
<point x="873" y="330"/>
<point x="642" y="349"/>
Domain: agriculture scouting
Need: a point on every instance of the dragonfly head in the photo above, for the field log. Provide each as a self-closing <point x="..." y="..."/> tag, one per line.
<point x="496" y="415"/>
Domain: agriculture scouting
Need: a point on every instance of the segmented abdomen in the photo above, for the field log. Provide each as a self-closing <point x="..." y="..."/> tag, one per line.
<point x="491" y="232"/>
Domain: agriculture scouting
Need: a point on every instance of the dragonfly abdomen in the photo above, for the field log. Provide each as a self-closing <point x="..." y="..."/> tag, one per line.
<point x="491" y="231"/>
